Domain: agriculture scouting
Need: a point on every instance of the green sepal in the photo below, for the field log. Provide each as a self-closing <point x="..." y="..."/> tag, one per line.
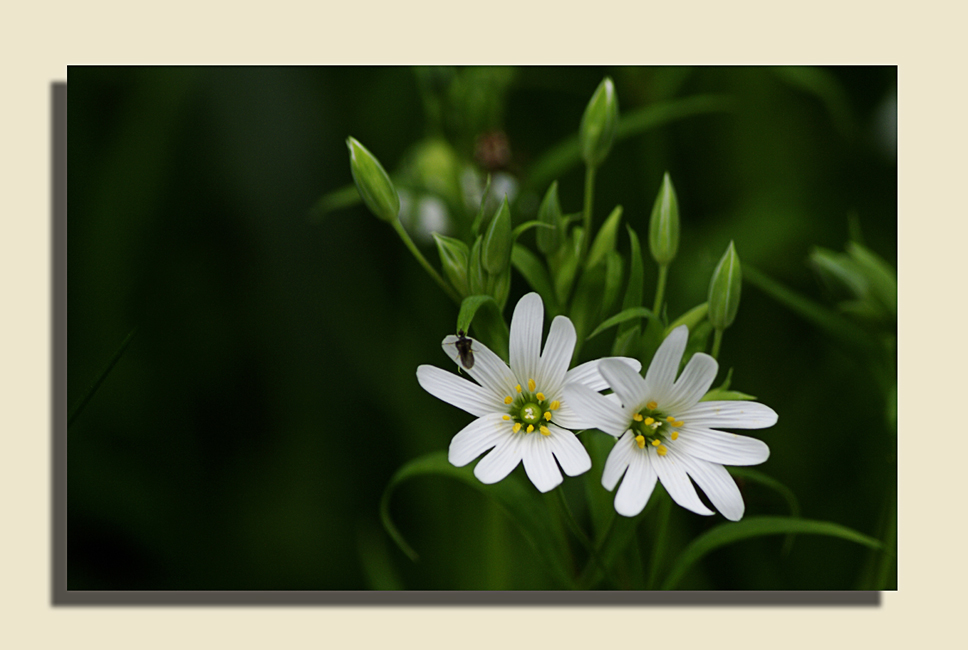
<point x="496" y="249"/>
<point x="454" y="257"/>
<point x="476" y="275"/>
<point x="550" y="239"/>
<point x="605" y="240"/>
<point x="372" y="182"/>
<point x="499" y="286"/>
<point x="724" y="290"/>
<point x="664" y="224"/>
<point x="597" y="130"/>
<point x="614" y="268"/>
<point x="485" y="313"/>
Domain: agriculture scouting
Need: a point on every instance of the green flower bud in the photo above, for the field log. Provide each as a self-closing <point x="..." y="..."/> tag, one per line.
<point x="496" y="249"/>
<point x="605" y="240"/>
<point x="549" y="239"/>
<point x="454" y="256"/>
<point x="372" y="182"/>
<point x="664" y="224"/>
<point x="598" y="124"/>
<point x="724" y="290"/>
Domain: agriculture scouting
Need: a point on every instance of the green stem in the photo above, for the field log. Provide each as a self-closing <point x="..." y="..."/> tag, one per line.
<point x="587" y="212"/>
<point x="659" y="545"/>
<point x="717" y="339"/>
<point x="79" y="406"/>
<point x="576" y="529"/>
<point x="423" y="261"/>
<point x="660" y="288"/>
<point x="588" y="576"/>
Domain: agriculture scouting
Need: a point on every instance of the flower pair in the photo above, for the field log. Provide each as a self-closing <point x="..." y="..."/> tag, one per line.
<point x="527" y="413"/>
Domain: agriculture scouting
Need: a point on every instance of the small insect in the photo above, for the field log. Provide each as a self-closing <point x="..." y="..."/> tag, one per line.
<point x="464" y="350"/>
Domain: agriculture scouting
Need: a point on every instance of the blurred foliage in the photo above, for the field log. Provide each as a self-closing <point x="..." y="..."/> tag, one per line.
<point x="244" y="437"/>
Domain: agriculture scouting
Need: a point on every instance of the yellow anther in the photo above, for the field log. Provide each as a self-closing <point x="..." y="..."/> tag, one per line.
<point x="649" y="420"/>
<point x="545" y="431"/>
<point x="507" y="417"/>
<point x="508" y="400"/>
<point x="516" y="427"/>
<point x="640" y="441"/>
<point x="661" y="450"/>
<point x="518" y="388"/>
<point x="547" y="416"/>
<point x="656" y="443"/>
<point x="530" y="428"/>
<point x="555" y="405"/>
<point x="540" y="396"/>
<point x="675" y="434"/>
<point x="652" y="405"/>
<point x="678" y="424"/>
<point x="637" y="417"/>
<point x="670" y="419"/>
<point x="531" y="385"/>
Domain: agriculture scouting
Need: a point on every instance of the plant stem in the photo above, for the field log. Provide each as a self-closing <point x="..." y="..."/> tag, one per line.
<point x="587" y="212"/>
<point x="588" y="576"/>
<point x="659" y="545"/>
<point x="578" y="532"/>
<point x="423" y="261"/>
<point x="717" y="339"/>
<point x="660" y="288"/>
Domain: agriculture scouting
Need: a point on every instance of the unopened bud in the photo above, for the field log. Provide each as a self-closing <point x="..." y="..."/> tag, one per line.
<point x="724" y="290"/>
<point x="598" y="124"/>
<point x="372" y="182"/>
<point x="664" y="224"/>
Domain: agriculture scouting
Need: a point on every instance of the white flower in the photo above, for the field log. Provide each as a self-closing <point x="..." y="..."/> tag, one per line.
<point x="665" y="433"/>
<point x="521" y="411"/>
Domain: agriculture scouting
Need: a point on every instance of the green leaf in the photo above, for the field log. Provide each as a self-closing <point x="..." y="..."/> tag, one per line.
<point x="621" y="317"/>
<point x="535" y="274"/>
<point x="691" y="318"/>
<point x="756" y="476"/>
<point x="722" y="395"/>
<point x="549" y="241"/>
<point x="566" y="154"/>
<point x="344" y="197"/>
<point x="491" y="327"/>
<point x="613" y="280"/>
<point x="81" y="403"/>
<point x="605" y="240"/>
<point x="527" y="225"/>
<point x="496" y="247"/>
<point x="757" y="527"/>
<point x="528" y="508"/>
<point x="569" y="256"/>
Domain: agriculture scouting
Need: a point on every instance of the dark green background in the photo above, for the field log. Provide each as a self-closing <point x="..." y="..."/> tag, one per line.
<point x="246" y="435"/>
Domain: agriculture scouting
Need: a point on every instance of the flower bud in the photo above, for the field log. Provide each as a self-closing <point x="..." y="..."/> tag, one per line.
<point x="598" y="124"/>
<point x="372" y="182"/>
<point x="496" y="248"/>
<point x="549" y="239"/>
<point x="664" y="224"/>
<point x="724" y="290"/>
<point x="454" y="256"/>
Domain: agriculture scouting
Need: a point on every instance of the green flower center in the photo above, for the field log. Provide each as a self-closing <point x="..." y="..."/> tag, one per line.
<point x="653" y="427"/>
<point x="530" y="410"/>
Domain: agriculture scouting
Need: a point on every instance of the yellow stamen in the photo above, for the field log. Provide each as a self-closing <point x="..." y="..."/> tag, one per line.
<point x="656" y="443"/>
<point x="678" y="424"/>
<point x="516" y="427"/>
<point x="637" y="417"/>
<point x="530" y="428"/>
<point x="661" y="450"/>
<point x="540" y="396"/>
<point x="508" y="400"/>
<point x="640" y="441"/>
<point x="545" y="431"/>
<point x="675" y="434"/>
<point x="507" y="417"/>
<point x="652" y="405"/>
<point x="649" y="420"/>
<point x="670" y="419"/>
<point x="518" y="388"/>
<point x="547" y="416"/>
<point x="531" y="385"/>
<point x="555" y="405"/>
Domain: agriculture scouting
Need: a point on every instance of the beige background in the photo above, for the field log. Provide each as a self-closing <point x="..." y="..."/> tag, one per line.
<point x="925" y="39"/>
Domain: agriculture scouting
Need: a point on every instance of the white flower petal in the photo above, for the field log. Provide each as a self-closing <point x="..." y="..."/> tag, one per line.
<point x="489" y="370"/>
<point x="569" y="451"/>
<point x="501" y="461"/>
<point x="719" y="486"/>
<point x="525" y="337"/>
<point x="556" y="356"/>
<point x="665" y="364"/>
<point x="672" y="473"/>
<point x="476" y="438"/>
<point x="694" y="382"/>
<point x="627" y="383"/>
<point x="462" y="393"/>
<point x="736" y="414"/>
<point x="637" y="487"/>
<point x="587" y="373"/>
<point x="618" y="461"/>
<point x="721" y="447"/>
<point x="539" y="463"/>
<point x="583" y="408"/>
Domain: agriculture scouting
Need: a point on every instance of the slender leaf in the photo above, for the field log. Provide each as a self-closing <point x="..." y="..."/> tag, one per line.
<point x="534" y="272"/>
<point x="81" y="403"/>
<point x="345" y="197"/>
<point x="691" y="318"/>
<point x="621" y="317"/>
<point x="757" y="527"/>
<point x="526" y="507"/>
<point x="527" y="225"/>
